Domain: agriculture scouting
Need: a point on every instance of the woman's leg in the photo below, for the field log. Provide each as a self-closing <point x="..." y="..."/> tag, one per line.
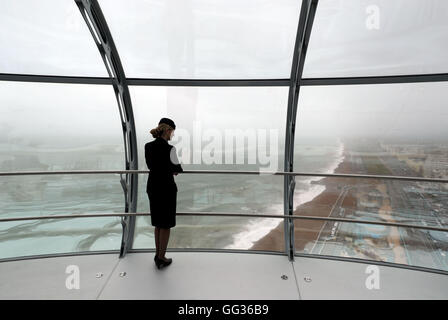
<point x="157" y="239"/>
<point x="164" y="234"/>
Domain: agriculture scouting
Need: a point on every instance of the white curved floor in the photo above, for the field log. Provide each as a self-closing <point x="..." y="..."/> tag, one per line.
<point x="212" y="275"/>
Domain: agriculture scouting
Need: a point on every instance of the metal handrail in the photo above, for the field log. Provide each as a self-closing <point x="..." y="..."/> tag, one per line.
<point x="229" y="214"/>
<point x="261" y="172"/>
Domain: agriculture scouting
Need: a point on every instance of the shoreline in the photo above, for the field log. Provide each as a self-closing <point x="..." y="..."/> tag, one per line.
<point x="257" y="230"/>
<point x="306" y="231"/>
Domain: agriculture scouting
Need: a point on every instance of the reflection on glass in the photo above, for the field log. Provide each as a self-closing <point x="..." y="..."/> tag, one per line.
<point x="363" y="38"/>
<point x="47" y="37"/>
<point x="200" y="39"/>
<point x="54" y="127"/>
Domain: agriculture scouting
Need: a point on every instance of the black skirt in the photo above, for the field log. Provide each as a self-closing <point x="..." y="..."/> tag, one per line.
<point x="162" y="206"/>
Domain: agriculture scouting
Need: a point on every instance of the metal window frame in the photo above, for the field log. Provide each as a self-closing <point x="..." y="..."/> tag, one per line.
<point x="369" y="80"/>
<point x="147" y="82"/>
<point x="417" y="78"/>
<point x="306" y="19"/>
<point x="96" y="22"/>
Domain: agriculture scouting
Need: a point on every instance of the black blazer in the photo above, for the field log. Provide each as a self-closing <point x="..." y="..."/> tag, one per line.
<point x="158" y="155"/>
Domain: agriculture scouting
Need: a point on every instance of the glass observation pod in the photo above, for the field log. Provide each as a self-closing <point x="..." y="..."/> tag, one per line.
<point x="312" y="134"/>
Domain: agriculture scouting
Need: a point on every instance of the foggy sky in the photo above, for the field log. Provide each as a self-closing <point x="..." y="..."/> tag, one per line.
<point x="49" y="37"/>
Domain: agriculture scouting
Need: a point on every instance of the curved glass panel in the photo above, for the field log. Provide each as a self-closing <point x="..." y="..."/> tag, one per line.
<point x="393" y="129"/>
<point x="195" y="232"/>
<point x="49" y="127"/>
<point x="37" y="196"/>
<point x="200" y="39"/>
<point x="53" y="127"/>
<point x="216" y="130"/>
<point x="377" y="201"/>
<point x="354" y="38"/>
<point x="47" y="38"/>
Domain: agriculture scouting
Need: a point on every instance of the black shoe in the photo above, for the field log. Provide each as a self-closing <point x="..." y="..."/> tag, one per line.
<point x="159" y="263"/>
<point x="163" y="263"/>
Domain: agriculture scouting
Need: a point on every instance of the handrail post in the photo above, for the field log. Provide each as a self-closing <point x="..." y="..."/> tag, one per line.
<point x="94" y="18"/>
<point x="307" y="13"/>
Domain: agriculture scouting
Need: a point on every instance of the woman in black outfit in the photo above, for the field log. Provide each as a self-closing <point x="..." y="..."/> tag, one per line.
<point x="161" y="159"/>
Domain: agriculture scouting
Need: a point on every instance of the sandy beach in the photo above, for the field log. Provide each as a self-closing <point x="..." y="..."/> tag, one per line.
<point x="308" y="230"/>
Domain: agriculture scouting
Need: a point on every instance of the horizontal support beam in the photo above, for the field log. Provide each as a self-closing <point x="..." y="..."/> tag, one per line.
<point x="148" y="82"/>
<point x="374" y="80"/>
<point x="228" y="214"/>
<point x="230" y="82"/>
<point x="54" y="79"/>
<point x="210" y="83"/>
<point x="278" y="173"/>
